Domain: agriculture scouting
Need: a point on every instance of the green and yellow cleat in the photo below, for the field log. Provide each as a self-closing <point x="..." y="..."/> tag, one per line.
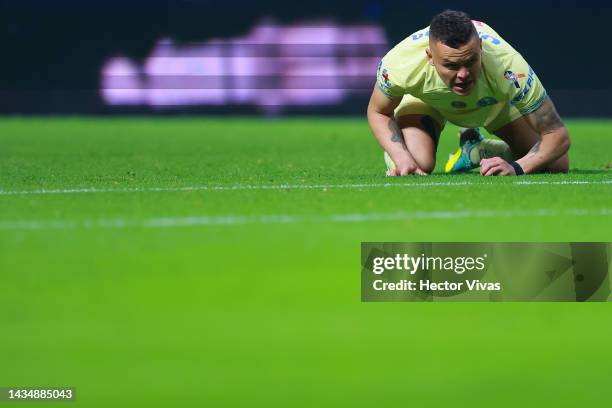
<point x="461" y="160"/>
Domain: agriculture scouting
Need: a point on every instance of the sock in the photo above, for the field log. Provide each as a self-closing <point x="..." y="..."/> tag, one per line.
<point x="491" y="148"/>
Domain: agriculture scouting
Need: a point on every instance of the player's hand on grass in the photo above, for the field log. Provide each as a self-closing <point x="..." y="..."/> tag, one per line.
<point x="496" y="166"/>
<point x="405" y="168"/>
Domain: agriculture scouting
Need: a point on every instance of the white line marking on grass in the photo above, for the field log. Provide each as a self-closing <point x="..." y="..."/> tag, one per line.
<point x="289" y="187"/>
<point x="229" y="220"/>
<point x="562" y="182"/>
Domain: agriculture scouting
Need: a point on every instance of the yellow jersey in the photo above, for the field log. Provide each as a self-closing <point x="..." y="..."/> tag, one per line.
<point x="505" y="78"/>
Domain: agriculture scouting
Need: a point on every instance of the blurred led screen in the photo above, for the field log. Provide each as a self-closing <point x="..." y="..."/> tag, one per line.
<point x="272" y="66"/>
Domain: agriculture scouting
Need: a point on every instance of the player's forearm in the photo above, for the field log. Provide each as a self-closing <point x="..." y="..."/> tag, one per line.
<point x="388" y="135"/>
<point x="552" y="146"/>
<point x="554" y="138"/>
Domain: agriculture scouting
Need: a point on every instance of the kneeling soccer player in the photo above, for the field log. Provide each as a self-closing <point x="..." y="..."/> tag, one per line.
<point x="462" y="71"/>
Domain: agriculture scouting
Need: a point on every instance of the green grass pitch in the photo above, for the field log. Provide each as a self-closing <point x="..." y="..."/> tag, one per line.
<point x="161" y="262"/>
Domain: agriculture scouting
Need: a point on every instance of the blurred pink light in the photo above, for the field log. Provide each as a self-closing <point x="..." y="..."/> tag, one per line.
<point x="272" y="66"/>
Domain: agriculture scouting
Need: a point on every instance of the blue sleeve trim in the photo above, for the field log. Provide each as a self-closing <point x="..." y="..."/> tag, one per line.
<point x="535" y="106"/>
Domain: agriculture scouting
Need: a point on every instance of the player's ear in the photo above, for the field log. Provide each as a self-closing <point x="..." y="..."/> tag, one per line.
<point x="429" y="56"/>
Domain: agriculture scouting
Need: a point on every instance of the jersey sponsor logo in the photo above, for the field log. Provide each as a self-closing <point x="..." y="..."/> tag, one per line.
<point x="385" y="75"/>
<point x="521" y="95"/>
<point x="512" y="77"/>
<point x="384" y="83"/>
<point x="384" y="79"/>
<point x="458" y="104"/>
<point x="487" y="101"/>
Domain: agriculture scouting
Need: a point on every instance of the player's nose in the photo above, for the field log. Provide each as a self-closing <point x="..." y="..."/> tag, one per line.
<point x="463" y="74"/>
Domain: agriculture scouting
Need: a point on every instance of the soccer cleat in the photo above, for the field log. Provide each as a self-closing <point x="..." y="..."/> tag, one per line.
<point x="460" y="161"/>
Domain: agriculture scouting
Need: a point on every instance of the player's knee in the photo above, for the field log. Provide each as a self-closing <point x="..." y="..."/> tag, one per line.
<point x="426" y="164"/>
<point x="561" y="165"/>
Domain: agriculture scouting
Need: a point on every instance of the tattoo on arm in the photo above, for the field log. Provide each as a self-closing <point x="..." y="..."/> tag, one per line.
<point x="546" y="119"/>
<point x="396" y="132"/>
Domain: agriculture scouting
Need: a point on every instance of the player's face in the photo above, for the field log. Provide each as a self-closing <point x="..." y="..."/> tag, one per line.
<point x="459" y="68"/>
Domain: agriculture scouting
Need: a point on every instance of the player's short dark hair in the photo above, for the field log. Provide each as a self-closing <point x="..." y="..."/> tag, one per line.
<point x="452" y="28"/>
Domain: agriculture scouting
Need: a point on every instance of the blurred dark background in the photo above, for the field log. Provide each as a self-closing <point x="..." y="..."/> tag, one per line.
<point x="53" y="51"/>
